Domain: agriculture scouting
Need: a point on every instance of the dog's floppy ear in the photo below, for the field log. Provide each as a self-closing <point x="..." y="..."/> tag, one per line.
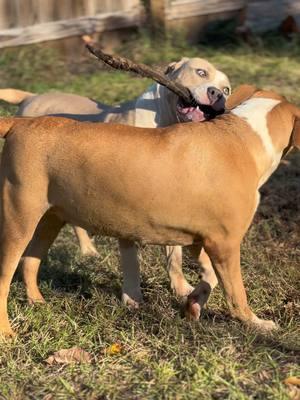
<point x="239" y="95"/>
<point x="296" y="133"/>
<point x="170" y="68"/>
<point x="173" y="66"/>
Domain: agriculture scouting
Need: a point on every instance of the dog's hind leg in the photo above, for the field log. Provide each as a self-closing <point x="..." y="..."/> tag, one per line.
<point x="44" y="235"/>
<point x="179" y="284"/>
<point x="131" y="290"/>
<point x="87" y="247"/>
<point x="19" y="216"/>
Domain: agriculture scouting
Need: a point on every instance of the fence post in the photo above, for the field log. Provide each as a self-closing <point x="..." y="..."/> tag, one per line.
<point x="157" y="12"/>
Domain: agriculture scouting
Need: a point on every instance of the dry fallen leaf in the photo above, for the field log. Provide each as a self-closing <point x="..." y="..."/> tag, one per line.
<point x="113" y="349"/>
<point x="294" y="391"/>
<point x="69" y="356"/>
<point x="292" y="380"/>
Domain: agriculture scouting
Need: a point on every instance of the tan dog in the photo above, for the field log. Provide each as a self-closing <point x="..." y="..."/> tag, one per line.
<point x="157" y="107"/>
<point x="127" y="182"/>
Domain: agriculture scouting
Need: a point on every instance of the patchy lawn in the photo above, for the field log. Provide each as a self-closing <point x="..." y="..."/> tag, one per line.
<point x="162" y="356"/>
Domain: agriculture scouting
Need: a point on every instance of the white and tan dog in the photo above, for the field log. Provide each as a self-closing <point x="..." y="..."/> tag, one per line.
<point x="157" y="107"/>
<point x="138" y="190"/>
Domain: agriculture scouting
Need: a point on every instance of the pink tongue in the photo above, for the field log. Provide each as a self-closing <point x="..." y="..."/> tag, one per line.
<point x="195" y="115"/>
<point x="185" y="110"/>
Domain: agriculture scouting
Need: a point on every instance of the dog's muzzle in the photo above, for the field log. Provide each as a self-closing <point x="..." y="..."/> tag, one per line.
<point x="197" y="112"/>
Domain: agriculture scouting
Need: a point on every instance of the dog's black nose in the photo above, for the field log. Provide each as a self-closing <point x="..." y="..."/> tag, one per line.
<point x="214" y="94"/>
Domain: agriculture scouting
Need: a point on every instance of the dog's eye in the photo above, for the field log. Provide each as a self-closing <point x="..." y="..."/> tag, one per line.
<point x="201" y="72"/>
<point x="226" y="91"/>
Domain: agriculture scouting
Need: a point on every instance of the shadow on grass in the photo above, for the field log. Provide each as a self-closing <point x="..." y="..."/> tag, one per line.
<point x="79" y="281"/>
<point x="215" y="323"/>
<point x="273" y="342"/>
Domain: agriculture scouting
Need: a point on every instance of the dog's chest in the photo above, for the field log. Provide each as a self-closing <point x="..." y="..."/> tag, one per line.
<point x="145" y="108"/>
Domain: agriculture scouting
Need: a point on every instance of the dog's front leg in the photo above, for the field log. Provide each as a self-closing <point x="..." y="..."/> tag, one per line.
<point x="131" y="290"/>
<point x="226" y="262"/>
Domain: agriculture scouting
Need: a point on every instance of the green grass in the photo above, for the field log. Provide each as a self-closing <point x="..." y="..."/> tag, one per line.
<point x="163" y="356"/>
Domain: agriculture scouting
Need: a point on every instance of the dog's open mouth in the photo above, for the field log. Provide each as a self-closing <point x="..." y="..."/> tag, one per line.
<point x="195" y="112"/>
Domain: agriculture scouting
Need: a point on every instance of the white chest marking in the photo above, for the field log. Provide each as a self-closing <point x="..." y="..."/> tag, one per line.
<point x="255" y="112"/>
<point x="145" y="111"/>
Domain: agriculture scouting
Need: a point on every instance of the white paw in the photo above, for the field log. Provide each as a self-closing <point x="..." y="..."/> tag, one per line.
<point x="130" y="302"/>
<point x="192" y="310"/>
<point x="181" y="288"/>
<point x="263" y="325"/>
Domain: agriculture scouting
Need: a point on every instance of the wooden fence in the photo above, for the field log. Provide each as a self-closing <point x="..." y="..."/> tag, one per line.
<point x="178" y="9"/>
<point x="195" y="15"/>
<point x="31" y="21"/>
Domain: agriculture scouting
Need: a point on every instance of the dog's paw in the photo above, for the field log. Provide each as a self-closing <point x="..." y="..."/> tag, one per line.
<point x="263" y="325"/>
<point x="39" y="300"/>
<point x="34" y="296"/>
<point x="131" y="303"/>
<point x="6" y="332"/>
<point x="192" y="310"/>
<point x="181" y="288"/>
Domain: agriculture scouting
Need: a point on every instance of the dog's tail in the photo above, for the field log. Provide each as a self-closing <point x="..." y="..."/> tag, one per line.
<point x="6" y="123"/>
<point x="14" y="96"/>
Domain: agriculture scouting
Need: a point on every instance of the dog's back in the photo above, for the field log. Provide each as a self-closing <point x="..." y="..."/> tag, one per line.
<point x="121" y="178"/>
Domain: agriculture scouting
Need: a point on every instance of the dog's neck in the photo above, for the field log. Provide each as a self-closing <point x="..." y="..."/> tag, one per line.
<point x="262" y="114"/>
<point x="156" y="108"/>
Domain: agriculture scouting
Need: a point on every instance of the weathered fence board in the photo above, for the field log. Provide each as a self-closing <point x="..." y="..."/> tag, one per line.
<point x="31" y="21"/>
<point x="66" y="28"/>
<point x="260" y="15"/>
<point x="177" y="9"/>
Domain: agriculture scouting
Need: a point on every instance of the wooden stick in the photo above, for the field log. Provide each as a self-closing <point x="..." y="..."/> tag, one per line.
<point x="124" y="64"/>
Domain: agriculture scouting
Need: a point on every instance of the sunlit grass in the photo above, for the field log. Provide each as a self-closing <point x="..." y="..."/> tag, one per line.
<point x="163" y="357"/>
